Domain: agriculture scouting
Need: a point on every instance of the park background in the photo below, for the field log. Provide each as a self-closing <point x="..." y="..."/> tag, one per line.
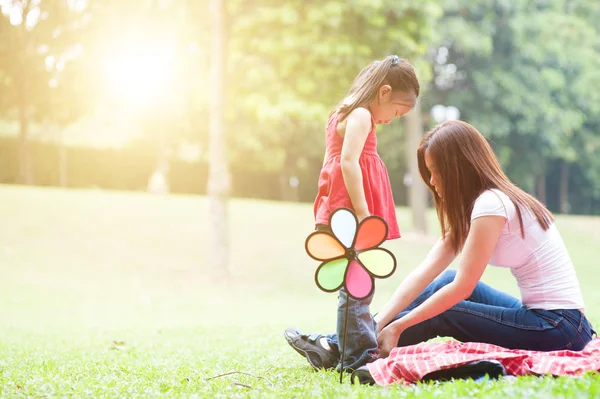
<point x="159" y="159"/>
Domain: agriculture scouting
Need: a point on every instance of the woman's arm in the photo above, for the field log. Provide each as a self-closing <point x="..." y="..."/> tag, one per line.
<point x="480" y="243"/>
<point x="438" y="259"/>
<point x="358" y="127"/>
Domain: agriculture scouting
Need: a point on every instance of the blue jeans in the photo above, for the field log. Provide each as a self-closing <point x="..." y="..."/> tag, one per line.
<point x="488" y="316"/>
<point x="361" y="331"/>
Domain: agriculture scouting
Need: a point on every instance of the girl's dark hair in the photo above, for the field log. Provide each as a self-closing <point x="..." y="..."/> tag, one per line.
<point x="394" y="71"/>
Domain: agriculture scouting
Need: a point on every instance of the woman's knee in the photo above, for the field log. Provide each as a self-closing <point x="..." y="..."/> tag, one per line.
<point x="442" y="280"/>
<point x="446" y="277"/>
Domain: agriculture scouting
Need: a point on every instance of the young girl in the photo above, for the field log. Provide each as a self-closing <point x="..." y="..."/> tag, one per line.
<point x="354" y="176"/>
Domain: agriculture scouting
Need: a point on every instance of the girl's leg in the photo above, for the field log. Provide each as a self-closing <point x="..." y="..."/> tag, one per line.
<point x="361" y="331"/>
<point x="361" y="334"/>
<point x="324" y="351"/>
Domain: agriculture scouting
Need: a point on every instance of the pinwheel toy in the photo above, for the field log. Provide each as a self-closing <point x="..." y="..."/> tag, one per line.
<point x="350" y="257"/>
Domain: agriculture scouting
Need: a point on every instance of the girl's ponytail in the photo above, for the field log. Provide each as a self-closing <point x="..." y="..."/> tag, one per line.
<point x="396" y="72"/>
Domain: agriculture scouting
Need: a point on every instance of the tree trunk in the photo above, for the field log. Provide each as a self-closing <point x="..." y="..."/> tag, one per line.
<point x="218" y="177"/>
<point x="541" y="187"/>
<point x="23" y="45"/>
<point x="25" y="171"/>
<point x="564" y="187"/>
<point x="417" y="190"/>
<point x="63" y="161"/>
<point x="288" y="182"/>
<point x="158" y="183"/>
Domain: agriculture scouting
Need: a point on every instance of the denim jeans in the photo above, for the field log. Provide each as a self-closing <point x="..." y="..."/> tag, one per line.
<point x="488" y="316"/>
<point x="361" y="330"/>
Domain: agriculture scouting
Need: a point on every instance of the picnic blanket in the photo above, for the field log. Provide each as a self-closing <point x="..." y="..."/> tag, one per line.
<point x="407" y="365"/>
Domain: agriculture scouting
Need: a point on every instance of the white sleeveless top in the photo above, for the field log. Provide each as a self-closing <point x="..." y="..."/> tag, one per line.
<point x="540" y="262"/>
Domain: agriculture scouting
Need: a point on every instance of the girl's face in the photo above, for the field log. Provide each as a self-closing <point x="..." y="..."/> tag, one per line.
<point x="389" y="105"/>
<point x="434" y="180"/>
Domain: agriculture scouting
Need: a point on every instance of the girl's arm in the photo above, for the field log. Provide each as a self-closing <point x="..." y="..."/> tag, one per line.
<point x="358" y="127"/>
<point x="438" y="259"/>
<point x="480" y="243"/>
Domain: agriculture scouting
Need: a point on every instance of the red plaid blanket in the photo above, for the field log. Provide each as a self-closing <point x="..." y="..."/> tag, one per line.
<point x="410" y="364"/>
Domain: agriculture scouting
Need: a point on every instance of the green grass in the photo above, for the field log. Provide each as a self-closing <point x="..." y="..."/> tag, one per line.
<point x="111" y="295"/>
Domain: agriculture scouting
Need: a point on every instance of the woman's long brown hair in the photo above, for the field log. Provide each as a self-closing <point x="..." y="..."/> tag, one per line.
<point x="467" y="166"/>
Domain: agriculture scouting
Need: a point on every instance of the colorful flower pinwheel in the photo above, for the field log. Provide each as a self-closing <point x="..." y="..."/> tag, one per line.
<point x="350" y="254"/>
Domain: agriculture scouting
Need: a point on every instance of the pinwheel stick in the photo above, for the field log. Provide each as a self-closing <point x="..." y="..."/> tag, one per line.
<point x="344" y="342"/>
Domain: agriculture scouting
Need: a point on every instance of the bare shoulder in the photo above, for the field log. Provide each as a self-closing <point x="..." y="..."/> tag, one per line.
<point x="359" y="121"/>
<point x="361" y="116"/>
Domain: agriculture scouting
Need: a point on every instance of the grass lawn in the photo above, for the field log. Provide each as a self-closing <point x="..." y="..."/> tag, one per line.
<point x="107" y="294"/>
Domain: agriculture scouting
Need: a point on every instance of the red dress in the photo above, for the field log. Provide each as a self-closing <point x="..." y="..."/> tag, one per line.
<point x="332" y="192"/>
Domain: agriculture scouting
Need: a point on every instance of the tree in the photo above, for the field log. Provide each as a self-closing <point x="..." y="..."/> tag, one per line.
<point x="417" y="190"/>
<point x="219" y="180"/>
<point x="505" y="66"/>
<point x="34" y="48"/>
<point x="287" y="84"/>
<point x="72" y="94"/>
<point x="23" y="69"/>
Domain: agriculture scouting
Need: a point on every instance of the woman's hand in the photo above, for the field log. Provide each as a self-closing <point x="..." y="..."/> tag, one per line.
<point x="481" y="241"/>
<point x="388" y="339"/>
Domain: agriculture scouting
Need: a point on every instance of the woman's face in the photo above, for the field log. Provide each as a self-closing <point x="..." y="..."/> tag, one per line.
<point x="435" y="176"/>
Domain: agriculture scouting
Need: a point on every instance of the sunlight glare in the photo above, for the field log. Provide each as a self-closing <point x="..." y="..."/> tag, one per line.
<point x="141" y="74"/>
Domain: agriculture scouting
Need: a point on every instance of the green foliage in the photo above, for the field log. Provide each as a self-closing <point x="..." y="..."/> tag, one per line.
<point x="285" y="84"/>
<point x="35" y="56"/>
<point x="527" y="78"/>
<point x="526" y="74"/>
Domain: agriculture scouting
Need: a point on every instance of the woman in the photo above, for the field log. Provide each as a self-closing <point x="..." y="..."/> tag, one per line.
<point x="487" y="219"/>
